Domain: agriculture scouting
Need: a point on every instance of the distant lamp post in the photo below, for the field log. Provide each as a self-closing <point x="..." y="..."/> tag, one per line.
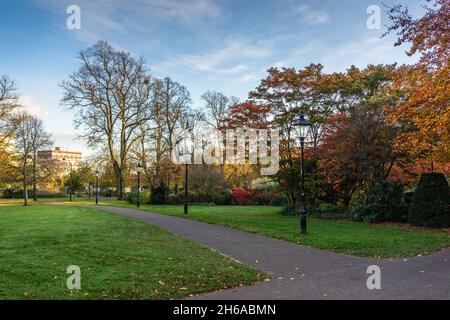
<point x="70" y="178"/>
<point x="186" y="172"/>
<point x="303" y="128"/>
<point x="97" y="174"/>
<point x="186" y="200"/>
<point x="139" y="169"/>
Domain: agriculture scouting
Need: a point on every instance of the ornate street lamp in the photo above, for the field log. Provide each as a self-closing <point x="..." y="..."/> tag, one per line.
<point x="139" y="169"/>
<point x="70" y="178"/>
<point x="97" y="174"/>
<point x="303" y="127"/>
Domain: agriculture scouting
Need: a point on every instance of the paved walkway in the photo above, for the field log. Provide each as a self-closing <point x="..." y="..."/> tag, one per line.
<point x="301" y="272"/>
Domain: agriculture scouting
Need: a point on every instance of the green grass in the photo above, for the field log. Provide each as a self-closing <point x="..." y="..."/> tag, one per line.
<point x="119" y="257"/>
<point x="353" y="238"/>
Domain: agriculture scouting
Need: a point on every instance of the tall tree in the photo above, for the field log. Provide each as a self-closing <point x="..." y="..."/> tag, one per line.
<point x="29" y="135"/>
<point x="217" y="107"/>
<point x="425" y="113"/>
<point x="358" y="148"/>
<point x="40" y="168"/>
<point x="9" y="103"/>
<point x="112" y="94"/>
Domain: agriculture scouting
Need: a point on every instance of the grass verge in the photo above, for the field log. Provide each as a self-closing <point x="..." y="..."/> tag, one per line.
<point x="119" y="257"/>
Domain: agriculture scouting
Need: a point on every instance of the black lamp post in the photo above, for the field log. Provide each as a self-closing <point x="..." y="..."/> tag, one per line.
<point x="303" y="127"/>
<point x="139" y="169"/>
<point x="97" y="174"/>
<point x="70" y="179"/>
<point x="186" y="204"/>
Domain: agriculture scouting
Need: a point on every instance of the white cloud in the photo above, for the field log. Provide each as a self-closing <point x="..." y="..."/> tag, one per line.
<point x="233" y="57"/>
<point x="312" y="16"/>
<point x="302" y="8"/>
<point x="33" y="107"/>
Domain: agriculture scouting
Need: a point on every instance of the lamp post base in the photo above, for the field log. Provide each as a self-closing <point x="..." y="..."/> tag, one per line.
<point x="303" y="225"/>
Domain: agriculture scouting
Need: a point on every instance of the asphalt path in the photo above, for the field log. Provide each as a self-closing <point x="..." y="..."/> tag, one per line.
<point x="301" y="272"/>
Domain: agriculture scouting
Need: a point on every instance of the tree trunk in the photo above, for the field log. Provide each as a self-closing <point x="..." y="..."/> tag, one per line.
<point x="121" y="186"/>
<point x="34" y="178"/>
<point x="34" y="190"/>
<point x="25" y="192"/>
<point x="119" y="180"/>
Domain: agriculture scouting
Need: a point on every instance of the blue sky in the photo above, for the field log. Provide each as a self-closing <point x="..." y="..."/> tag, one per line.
<point x="222" y="45"/>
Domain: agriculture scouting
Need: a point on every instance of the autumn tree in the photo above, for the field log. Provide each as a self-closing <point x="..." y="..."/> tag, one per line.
<point x="424" y="116"/>
<point x="112" y="95"/>
<point x="287" y="93"/>
<point x="358" y="148"/>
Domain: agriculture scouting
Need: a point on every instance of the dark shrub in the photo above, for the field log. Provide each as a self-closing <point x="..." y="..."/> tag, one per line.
<point x="264" y="198"/>
<point x="279" y="200"/>
<point x="383" y="202"/>
<point x="158" y="195"/>
<point x="224" y="198"/>
<point x="289" y="210"/>
<point x="408" y="197"/>
<point x="431" y="202"/>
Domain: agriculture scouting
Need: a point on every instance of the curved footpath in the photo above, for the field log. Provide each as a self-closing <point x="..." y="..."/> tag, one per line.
<point x="301" y="272"/>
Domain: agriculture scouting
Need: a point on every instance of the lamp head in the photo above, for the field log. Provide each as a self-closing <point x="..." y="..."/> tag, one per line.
<point x="302" y="126"/>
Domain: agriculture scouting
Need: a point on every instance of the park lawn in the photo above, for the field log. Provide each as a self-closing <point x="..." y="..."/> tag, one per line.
<point x="353" y="238"/>
<point x="119" y="257"/>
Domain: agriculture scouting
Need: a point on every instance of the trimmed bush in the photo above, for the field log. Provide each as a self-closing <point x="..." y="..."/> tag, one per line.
<point x="264" y="198"/>
<point x="158" y="195"/>
<point x="279" y="200"/>
<point x="431" y="202"/>
<point x="145" y="197"/>
<point x="383" y="202"/>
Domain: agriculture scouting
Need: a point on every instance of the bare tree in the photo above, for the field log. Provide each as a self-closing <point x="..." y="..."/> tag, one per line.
<point x="9" y="102"/>
<point x="175" y="102"/>
<point x="41" y="168"/>
<point x="217" y="106"/>
<point x="23" y="149"/>
<point x="171" y="109"/>
<point x="112" y="94"/>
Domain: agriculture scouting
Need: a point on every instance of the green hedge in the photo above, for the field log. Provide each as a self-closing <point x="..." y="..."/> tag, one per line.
<point x="143" y="196"/>
<point x="431" y="202"/>
<point x="384" y="201"/>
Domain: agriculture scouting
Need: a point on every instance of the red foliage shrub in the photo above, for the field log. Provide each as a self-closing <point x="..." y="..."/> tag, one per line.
<point x="245" y="196"/>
